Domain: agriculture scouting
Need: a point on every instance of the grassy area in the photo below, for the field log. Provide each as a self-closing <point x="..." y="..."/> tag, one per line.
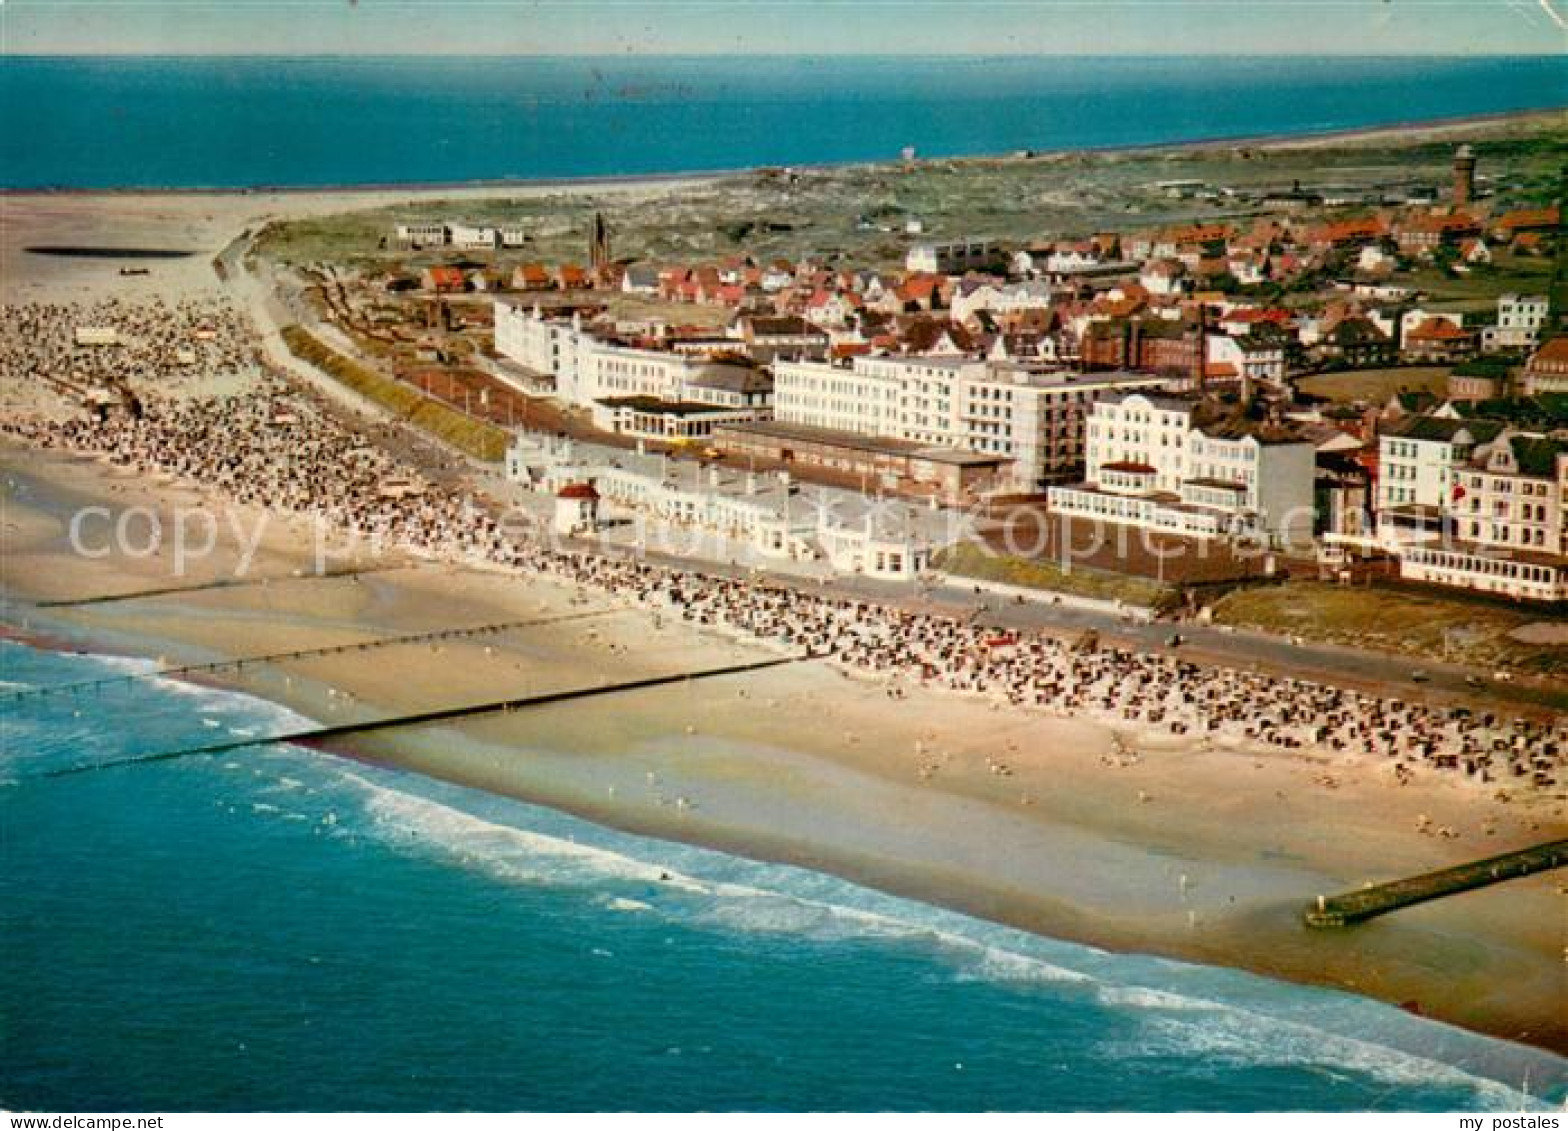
<point x="1477" y="291"/>
<point x="1427" y="626"/>
<point x="859" y="212"/>
<point x="1377" y="385"/>
<point x="477" y="438"/>
<point x="970" y="560"/>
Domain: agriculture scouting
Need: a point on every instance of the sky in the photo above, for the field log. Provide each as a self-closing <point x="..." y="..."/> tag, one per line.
<point x="727" y="27"/>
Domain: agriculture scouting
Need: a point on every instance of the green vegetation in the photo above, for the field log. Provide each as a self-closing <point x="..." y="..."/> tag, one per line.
<point x="857" y="213"/>
<point x="477" y="438"/>
<point x="1548" y="411"/>
<point x="1476" y="291"/>
<point x="1430" y="626"/>
<point x="969" y="560"/>
<point x="1486" y="366"/>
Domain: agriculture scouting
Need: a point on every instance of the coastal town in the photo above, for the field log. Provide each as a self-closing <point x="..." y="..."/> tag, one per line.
<point x="1163" y="551"/>
<point x="1124" y="421"/>
<point x="1294" y="394"/>
<point x="1189" y="407"/>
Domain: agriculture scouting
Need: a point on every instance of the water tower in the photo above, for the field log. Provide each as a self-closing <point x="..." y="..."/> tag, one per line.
<point x="1464" y="175"/>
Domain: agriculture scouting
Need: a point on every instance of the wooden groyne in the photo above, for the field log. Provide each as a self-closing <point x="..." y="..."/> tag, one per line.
<point x="221" y="583"/>
<point x="240" y="663"/>
<point x="425" y="718"/>
<point x="1379" y="899"/>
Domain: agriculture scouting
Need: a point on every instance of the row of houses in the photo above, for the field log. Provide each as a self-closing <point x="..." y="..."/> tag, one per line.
<point x="740" y="515"/>
<point x="1455" y="500"/>
<point x="423" y="234"/>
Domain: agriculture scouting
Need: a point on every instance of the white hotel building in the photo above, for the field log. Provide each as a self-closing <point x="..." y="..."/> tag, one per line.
<point x="1502" y="519"/>
<point x="589" y="371"/>
<point x="1168" y="465"/>
<point x="1418" y="458"/>
<point x="1035" y="419"/>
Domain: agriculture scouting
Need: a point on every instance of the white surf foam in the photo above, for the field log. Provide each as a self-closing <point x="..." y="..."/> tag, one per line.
<point x="808" y="905"/>
<point x="705" y="888"/>
<point x="1229" y="1034"/>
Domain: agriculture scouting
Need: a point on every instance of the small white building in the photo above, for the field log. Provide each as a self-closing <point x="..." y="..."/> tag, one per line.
<point x="576" y="510"/>
<point x="422" y="234"/>
<point x="640" y="279"/>
<point x="955" y="258"/>
<point x="1519" y="322"/>
<point x="475" y="238"/>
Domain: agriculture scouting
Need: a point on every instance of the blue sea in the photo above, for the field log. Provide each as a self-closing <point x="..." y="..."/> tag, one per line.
<point x="244" y="122"/>
<point x="277" y="928"/>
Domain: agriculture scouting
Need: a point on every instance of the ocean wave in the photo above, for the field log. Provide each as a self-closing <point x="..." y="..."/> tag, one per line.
<point x="1178" y="1010"/>
<point x="994" y="964"/>
<point x="786" y="901"/>
<point x="66" y="730"/>
<point x="525" y="855"/>
<point x="1232" y="1036"/>
<point x="620" y="904"/>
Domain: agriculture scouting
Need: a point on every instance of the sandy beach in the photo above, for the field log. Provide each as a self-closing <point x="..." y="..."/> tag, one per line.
<point x="1165" y="848"/>
<point x="204" y="223"/>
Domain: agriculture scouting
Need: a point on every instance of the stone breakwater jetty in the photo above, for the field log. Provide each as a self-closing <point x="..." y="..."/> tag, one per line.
<point x="1379" y="899"/>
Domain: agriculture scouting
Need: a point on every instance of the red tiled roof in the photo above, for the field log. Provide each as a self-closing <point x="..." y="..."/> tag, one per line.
<point x="1555" y="350"/>
<point x="1529" y="218"/>
<point x="1344" y="231"/>
<point x="1439" y="224"/>
<point x="1436" y="330"/>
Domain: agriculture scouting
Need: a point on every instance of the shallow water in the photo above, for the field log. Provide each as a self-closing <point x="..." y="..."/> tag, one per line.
<point x="278" y="928"/>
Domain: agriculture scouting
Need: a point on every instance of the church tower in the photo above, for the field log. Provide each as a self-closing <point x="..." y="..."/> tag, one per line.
<point x="599" y="243"/>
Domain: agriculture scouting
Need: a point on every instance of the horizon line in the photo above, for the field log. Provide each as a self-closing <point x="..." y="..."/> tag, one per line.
<point x="775" y="55"/>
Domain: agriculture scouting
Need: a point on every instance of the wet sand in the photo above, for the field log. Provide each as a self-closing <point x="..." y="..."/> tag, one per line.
<point x="807" y="765"/>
